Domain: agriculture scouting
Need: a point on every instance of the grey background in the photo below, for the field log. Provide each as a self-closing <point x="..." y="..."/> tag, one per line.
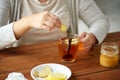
<point x="111" y="8"/>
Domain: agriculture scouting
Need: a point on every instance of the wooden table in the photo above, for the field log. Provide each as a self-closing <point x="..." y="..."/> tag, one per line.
<point x="24" y="58"/>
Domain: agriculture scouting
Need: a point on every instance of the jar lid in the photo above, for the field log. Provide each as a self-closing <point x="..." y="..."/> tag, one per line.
<point x="109" y="50"/>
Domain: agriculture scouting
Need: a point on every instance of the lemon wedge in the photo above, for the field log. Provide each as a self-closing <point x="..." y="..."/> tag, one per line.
<point x="36" y="73"/>
<point x="43" y="73"/>
<point x="56" y="76"/>
<point x="63" y="28"/>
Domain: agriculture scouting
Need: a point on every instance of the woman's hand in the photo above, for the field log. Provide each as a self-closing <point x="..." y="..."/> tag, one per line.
<point x="44" y="20"/>
<point x="86" y="42"/>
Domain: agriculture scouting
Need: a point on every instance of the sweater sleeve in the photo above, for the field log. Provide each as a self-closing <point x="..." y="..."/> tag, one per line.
<point x="94" y="18"/>
<point x="4" y="12"/>
<point x="7" y="37"/>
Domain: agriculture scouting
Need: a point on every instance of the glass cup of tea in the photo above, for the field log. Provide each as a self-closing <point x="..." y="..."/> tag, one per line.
<point x="68" y="47"/>
<point x="109" y="54"/>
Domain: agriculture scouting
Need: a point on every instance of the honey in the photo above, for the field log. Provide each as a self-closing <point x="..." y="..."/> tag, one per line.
<point x="109" y="54"/>
<point x="109" y="61"/>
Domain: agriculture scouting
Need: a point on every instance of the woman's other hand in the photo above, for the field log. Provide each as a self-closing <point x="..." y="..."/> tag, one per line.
<point x="87" y="40"/>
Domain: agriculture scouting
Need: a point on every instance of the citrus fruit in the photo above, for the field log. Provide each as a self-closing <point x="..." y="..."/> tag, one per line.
<point x="63" y="28"/>
<point x="56" y="76"/>
<point x="43" y="73"/>
<point x="73" y="42"/>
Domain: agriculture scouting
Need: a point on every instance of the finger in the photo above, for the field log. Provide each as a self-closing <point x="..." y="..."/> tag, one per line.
<point x="87" y="40"/>
<point x="53" y="26"/>
<point x="50" y="19"/>
<point x="58" y="23"/>
<point x="85" y="44"/>
<point x="83" y="35"/>
<point x="52" y="22"/>
<point x="56" y="20"/>
<point x="47" y="24"/>
<point x="45" y="27"/>
<point x="87" y="48"/>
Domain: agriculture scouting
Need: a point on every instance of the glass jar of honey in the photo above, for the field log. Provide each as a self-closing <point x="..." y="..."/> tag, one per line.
<point x="109" y="54"/>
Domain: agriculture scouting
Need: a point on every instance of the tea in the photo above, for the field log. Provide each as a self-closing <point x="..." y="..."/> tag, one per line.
<point x="68" y="48"/>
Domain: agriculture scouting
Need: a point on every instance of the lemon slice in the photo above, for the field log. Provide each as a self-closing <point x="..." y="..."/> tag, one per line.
<point x="63" y="28"/>
<point x="74" y="41"/>
<point x="56" y="76"/>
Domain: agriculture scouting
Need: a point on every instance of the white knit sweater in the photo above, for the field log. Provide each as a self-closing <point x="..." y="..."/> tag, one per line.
<point x="84" y="14"/>
<point x="30" y="7"/>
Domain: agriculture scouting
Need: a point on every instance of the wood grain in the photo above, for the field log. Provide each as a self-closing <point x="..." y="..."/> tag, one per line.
<point x="86" y="67"/>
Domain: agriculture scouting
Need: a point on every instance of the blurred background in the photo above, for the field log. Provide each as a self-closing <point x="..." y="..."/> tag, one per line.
<point x="111" y="8"/>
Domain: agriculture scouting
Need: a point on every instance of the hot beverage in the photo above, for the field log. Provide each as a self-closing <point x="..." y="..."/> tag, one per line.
<point x="68" y="48"/>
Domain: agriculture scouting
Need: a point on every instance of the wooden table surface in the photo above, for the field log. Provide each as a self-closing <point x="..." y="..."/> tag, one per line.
<point x="86" y="67"/>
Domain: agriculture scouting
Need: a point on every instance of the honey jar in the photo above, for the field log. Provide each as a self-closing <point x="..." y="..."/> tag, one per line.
<point x="109" y="56"/>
